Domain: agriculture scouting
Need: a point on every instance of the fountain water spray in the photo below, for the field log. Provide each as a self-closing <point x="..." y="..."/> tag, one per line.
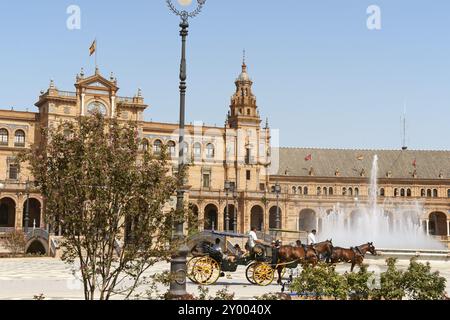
<point x="388" y="225"/>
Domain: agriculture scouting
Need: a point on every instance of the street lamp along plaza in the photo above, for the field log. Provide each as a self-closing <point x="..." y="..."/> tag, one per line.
<point x="178" y="261"/>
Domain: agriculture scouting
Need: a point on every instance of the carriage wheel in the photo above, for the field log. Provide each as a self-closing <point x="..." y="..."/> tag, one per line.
<point x="206" y="271"/>
<point x="249" y="272"/>
<point x="190" y="268"/>
<point x="263" y="274"/>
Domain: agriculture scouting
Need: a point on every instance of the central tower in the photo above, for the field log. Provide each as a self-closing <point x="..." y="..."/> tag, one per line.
<point x="243" y="109"/>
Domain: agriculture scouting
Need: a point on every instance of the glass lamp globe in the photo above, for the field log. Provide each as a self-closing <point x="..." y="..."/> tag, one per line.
<point x="185" y="3"/>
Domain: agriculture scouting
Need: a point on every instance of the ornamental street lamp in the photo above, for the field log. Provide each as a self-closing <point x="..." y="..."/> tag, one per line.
<point x="277" y="191"/>
<point x="227" y="215"/>
<point x="235" y="196"/>
<point x="178" y="262"/>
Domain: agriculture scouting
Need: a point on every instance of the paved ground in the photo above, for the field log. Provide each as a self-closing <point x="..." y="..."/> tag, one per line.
<point x="25" y="278"/>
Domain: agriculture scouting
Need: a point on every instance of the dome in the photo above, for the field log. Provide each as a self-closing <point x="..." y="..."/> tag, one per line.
<point x="244" y="75"/>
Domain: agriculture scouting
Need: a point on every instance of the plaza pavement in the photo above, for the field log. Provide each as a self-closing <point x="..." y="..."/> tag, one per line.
<point x="26" y="277"/>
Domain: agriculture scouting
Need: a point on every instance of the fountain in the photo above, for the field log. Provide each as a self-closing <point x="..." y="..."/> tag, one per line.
<point x="386" y="225"/>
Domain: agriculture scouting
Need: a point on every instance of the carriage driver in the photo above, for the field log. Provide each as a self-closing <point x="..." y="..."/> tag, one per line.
<point x="252" y="240"/>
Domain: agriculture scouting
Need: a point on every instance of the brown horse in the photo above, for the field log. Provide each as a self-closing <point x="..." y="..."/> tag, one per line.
<point x="324" y="249"/>
<point x="354" y="255"/>
<point x="295" y="254"/>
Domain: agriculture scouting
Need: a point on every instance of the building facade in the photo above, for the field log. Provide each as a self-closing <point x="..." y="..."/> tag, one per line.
<point x="313" y="181"/>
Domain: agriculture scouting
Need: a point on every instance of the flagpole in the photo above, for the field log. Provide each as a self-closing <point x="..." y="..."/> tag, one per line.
<point x="96" y="51"/>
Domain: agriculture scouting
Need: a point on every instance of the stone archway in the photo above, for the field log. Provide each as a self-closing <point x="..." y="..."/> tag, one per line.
<point x="257" y="218"/>
<point x="438" y="223"/>
<point x="7" y="213"/>
<point x="307" y="220"/>
<point x="34" y="213"/>
<point x="37" y="247"/>
<point x="211" y="217"/>
<point x="356" y="218"/>
<point x="273" y="217"/>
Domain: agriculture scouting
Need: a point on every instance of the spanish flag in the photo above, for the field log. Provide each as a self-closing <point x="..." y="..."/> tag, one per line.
<point x="93" y="48"/>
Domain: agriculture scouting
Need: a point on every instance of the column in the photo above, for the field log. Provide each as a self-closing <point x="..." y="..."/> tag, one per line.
<point x="82" y="104"/>
<point x="201" y="218"/>
<point x="19" y="214"/>
<point x="220" y="218"/>
<point x="428" y="226"/>
<point x="113" y="107"/>
<point x="448" y="228"/>
<point x="317" y="224"/>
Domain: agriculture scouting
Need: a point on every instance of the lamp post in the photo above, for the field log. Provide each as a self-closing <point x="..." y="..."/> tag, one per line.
<point x="178" y="261"/>
<point x="227" y="214"/>
<point x="277" y="191"/>
<point x="235" y="196"/>
<point x="27" y="210"/>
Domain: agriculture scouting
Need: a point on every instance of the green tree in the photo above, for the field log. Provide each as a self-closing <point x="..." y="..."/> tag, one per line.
<point x="111" y="198"/>
<point x="391" y="283"/>
<point x="320" y="281"/>
<point x="422" y="284"/>
<point x="360" y="283"/>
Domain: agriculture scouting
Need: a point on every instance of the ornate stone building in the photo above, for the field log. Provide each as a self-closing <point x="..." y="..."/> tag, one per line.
<point x="313" y="181"/>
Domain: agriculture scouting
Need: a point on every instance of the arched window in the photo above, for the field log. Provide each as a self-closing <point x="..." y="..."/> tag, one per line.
<point x="330" y="191"/>
<point x="395" y="192"/>
<point x="157" y="145"/>
<point x="382" y="192"/>
<point x="429" y="193"/>
<point x="357" y="192"/>
<point x="350" y="191"/>
<point x="344" y="191"/>
<point x="4" y="137"/>
<point x="294" y="190"/>
<point x="435" y="193"/>
<point x="402" y="192"/>
<point x="319" y="191"/>
<point x="300" y="190"/>
<point x="325" y="191"/>
<point x="305" y="191"/>
<point x="172" y="148"/>
<point x="408" y="192"/>
<point x="144" y="144"/>
<point x="197" y="150"/>
<point x="448" y="193"/>
<point x="248" y="112"/>
<point x="19" y="138"/>
<point x="422" y="193"/>
<point x="210" y="151"/>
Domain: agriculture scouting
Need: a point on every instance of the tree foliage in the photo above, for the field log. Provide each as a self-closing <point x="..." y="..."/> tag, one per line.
<point x="110" y="197"/>
<point x="15" y="242"/>
<point x="422" y="284"/>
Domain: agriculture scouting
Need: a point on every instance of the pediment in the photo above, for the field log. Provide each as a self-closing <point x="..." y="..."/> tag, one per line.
<point x="97" y="82"/>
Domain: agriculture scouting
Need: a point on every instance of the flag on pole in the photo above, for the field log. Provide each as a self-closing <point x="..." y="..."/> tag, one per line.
<point x="93" y="48"/>
<point x="414" y="163"/>
<point x="308" y="157"/>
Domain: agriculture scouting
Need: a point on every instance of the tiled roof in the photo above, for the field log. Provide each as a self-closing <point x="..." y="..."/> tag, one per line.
<point x="351" y="163"/>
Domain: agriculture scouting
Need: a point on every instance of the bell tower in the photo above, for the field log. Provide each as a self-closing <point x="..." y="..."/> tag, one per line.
<point x="243" y="109"/>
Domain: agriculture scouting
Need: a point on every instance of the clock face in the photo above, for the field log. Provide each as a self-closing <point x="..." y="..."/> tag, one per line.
<point x="96" y="106"/>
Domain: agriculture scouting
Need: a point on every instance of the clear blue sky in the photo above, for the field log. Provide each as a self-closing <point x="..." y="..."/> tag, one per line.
<point x="320" y="75"/>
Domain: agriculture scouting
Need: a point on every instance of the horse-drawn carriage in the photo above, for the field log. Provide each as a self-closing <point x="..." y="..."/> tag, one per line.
<point x="207" y="264"/>
<point x="265" y="262"/>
